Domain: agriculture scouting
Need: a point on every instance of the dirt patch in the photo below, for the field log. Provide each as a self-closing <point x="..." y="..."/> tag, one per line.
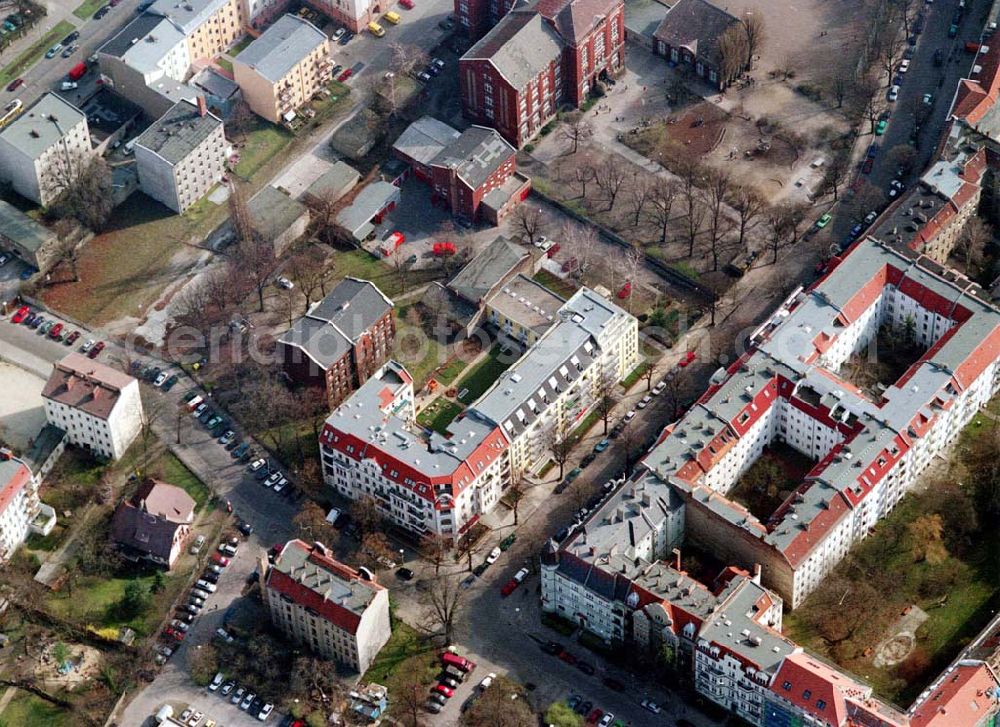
<point x="900" y="643"/>
<point x="79" y="664"/>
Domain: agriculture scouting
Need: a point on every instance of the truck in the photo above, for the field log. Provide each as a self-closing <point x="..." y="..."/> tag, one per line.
<point x="77" y="72"/>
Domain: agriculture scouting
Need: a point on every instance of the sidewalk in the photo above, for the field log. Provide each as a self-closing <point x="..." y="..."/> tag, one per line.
<point x="56" y="12"/>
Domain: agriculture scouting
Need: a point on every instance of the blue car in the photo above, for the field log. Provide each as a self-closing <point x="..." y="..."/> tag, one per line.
<point x="856" y="230"/>
<point x="27" y="273"/>
<point x="601" y="446"/>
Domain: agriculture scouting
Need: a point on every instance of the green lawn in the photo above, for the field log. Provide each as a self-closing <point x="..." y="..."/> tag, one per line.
<point x="262" y="145"/>
<point x="450" y="371"/>
<point x="439" y="414"/>
<point x="407" y="657"/>
<point x="88" y="8"/>
<point x="485" y="373"/>
<point x="30" y="56"/>
<point x="224" y="63"/>
<point x="27" y="709"/>
<point x="360" y="264"/>
<point x="589" y="421"/>
<point x="637" y="373"/>
<point x="241" y="45"/>
<point x="560" y="287"/>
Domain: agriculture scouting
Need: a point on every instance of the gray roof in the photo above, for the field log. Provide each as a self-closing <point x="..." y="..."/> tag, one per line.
<point x="333" y="325"/>
<point x="786" y="347"/>
<point x="520" y="46"/>
<point x="696" y="25"/>
<point x="644" y="16"/>
<point x="178" y="132"/>
<point x="557" y="359"/>
<point x="441" y="301"/>
<point x="214" y="83"/>
<point x="281" y="46"/>
<point x="424" y="139"/>
<point x="144" y="42"/>
<point x="21" y="230"/>
<point x="527" y="302"/>
<point x="487" y="269"/>
<point x="475" y="155"/>
<point x="274" y="212"/>
<point x="42" y="125"/>
<point x="319" y="572"/>
<point x="368" y="202"/>
<point x="187" y="15"/>
<point x="339" y="178"/>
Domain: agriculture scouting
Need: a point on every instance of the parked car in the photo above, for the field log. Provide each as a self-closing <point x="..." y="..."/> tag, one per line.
<point x="404" y="574"/>
<point x="238" y="695"/>
<point x="629" y="416"/>
<point x="442" y="689"/>
<point x="22" y="313"/>
<point x="601" y="446"/>
<point x="494" y="556"/>
<point x="644" y="402"/>
<point x="72" y="338"/>
<point x="650" y="705"/>
<point x="227" y="437"/>
<point x="53" y="51"/>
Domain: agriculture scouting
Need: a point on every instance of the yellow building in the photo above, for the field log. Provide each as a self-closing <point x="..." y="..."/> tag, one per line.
<point x="283" y="68"/>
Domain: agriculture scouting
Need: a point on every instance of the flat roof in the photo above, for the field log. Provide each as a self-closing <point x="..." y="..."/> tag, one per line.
<point x="21" y="230"/>
<point x="179" y="132"/>
<point x="527" y="302"/>
<point x="424" y="139"/>
<point x="144" y="42"/>
<point x="42" y="125"/>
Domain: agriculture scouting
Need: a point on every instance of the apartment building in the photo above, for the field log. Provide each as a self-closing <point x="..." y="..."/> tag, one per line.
<point x="792" y="386"/>
<point x="44" y="148"/>
<point x="18" y="503"/>
<point x="97" y="406"/>
<point x="154" y="523"/>
<point x="283" y="68"/>
<point x="182" y="155"/>
<point x="209" y="26"/>
<point x="541" y="55"/>
<point x="556" y="383"/>
<point x="352" y="14"/>
<point x="428" y="483"/>
<point x="338" y="612"/>
<point x="473" y="173"/>
<point x="341" y="340"/>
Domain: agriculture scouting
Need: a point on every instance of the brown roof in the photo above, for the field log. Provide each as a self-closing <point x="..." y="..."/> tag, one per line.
<point x="696" y="25"/>
<point x="148" y="521"/>
<point x="573" y="19"/>
<point x="83" y="384"/>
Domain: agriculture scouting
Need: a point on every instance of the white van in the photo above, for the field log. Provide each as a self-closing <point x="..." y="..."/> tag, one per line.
<point x="130" y="146"/>
<point x="205" y="586"/>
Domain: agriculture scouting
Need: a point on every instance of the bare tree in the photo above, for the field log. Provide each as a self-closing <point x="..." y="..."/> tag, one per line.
<point x="255" y="259"/>
<point x="309" y="269"/>
<point x="606" y="396"/>
<point x="632" y="259"/>
<point x="583" y="173"/>
<point x="719" y="185"/>
<point x="749" y="206"/>
<point x="85" y="188"/>
<point x="529" y="221"/>
<point x="777" y="220"/>
<point x="756" y="33"/>
<point x="640" y="192"/>
<point x="889" y="57"/>
<point x="515" y="493"/>
<point x="443" y="597"/>
<point x="839" y="85"/>
<point x="576" y="129"/>
<point x="367" y="515"/>
<point x="406" y="58"/>
<point x="560" y="445"/>
<point x="662" y="202"/>
<point x="582" y="242"/>
<point x="435" y="549"/>
<point x="732" y="48"/>
<point x="68" y="251"/>
<point x="696" y="211"/>
<point x="971" y="245"/>
<point x="836" y="173"/>
<point x="241" y="121"/>
<point x="610" y="176"/>
<point x="240" y="215"/>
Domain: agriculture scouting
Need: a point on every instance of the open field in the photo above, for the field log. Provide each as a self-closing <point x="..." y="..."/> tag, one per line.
<point x="30" y="56"/>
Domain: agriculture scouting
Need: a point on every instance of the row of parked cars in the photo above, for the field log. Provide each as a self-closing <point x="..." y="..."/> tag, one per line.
<point x="269" y="476"/>
<point x="244" y="697"/>
<point x="455" y="669"/>
<point x="55" y="330"/>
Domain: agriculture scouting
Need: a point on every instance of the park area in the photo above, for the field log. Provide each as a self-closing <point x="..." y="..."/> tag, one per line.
<point x="905" y="601"/>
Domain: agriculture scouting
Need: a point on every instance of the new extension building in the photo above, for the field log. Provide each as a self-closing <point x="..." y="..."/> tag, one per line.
<point x="43" y="149"/>
<point x="283" y="68"/>
<point x="432" y="483"/>
<point x="182" y="155"/>
<point x="869" y="446"/>
<point x="541" y="55"/>
<point x="338" y="612"/>
<point x="97" y="406"/>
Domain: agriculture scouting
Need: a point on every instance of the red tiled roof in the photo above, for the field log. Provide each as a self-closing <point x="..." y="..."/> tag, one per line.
<point x="961" y="698"/>
<point x="14" y="484"/>
<point x="813" y="687"/>
<point x="975" y="97"/>
<point x="307" y="597"/>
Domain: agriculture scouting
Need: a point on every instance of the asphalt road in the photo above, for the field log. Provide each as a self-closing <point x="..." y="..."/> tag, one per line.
<point x="48" y="74"/>
<point x="922" y="77"/>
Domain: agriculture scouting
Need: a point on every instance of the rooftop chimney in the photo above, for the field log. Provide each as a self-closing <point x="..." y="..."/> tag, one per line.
<point x="202" y="107"/>
<point x="677" y="558"/>
<point x="756" y="573"/>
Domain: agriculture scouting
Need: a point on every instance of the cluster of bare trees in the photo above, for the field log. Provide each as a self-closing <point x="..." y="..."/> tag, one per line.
<point x="83" y="186"/>
<point x="739" y="43"/>
<point x="405" y="60"/>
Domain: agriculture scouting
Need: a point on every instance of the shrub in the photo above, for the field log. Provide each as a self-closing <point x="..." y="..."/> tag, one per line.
<point x="547" y="129"/>
<point x="529" y="147"/>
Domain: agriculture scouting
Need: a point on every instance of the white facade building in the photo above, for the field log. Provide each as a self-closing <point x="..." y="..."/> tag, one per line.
<point x="99" y="408"/>
<point x="18" y="503"/>
<point x="334" y="610"/>
<point x="44" y="148"/>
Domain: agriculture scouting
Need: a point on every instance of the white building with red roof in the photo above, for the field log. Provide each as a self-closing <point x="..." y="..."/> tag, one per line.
<point x="18" y="503"/>
<point x="337" y="611"/>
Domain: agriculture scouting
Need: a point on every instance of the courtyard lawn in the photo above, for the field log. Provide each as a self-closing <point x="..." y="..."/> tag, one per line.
<point x="406" y="657"/>
<point x="261" y="145"/>
<point x="637" y="373"/>
<point x="224" y="63"/>
<point x="486" y="372"/>
<point x="360" y="264"/>
<point x="451" y="370"/>
<point x="562" y="288"/>
<point x="240" y="45"/>
<point x="31" y="56"/>
<point x="439" y="414"/>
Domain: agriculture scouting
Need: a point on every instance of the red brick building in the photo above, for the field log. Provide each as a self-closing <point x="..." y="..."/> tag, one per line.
<point x="473" y="173"/>
<point x="341" y="340"/>
<point x="476" y="17"/>
<point x="539" y="56"/>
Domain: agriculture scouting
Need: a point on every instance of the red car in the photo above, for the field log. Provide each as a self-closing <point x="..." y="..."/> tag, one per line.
<point x="867" y="166"/>
<point x="219" y="559"/>
<point x="567" y="657"/>
<point x="96" y="350"/>
<point x="345" y="74"/>
<point x="595" y="716"/>
<point x="688" y="358"/>
<point x="442" y="689"/>
<point x="21" y="314"/>
<point x="15" y="84"/>
<point x="626" y="290"/>
<point x="408" y="4"/>
<point x="71" y="338"/>
<point x="553" y="250"/>
<point x="509" y="587"/>
<point x="55" y="330"/>
<point x="443" y="248"/>
<point x="174" y="633"/>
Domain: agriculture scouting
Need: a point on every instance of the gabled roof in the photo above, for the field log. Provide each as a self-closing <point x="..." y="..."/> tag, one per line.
<point x="520" y="47"/>
<point x="149" y="520"/>
<point x="487" y="269"/>
<point x="965" y="695"/>
<point x="475" y="155"/>
<point x="281" y="47"/>
<point x="574" y="19"/>
<point x="85" y="384"/>
<point x="696" y="25"/>
<point x="424" y="139"/>
<point x="14" y="477"/>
